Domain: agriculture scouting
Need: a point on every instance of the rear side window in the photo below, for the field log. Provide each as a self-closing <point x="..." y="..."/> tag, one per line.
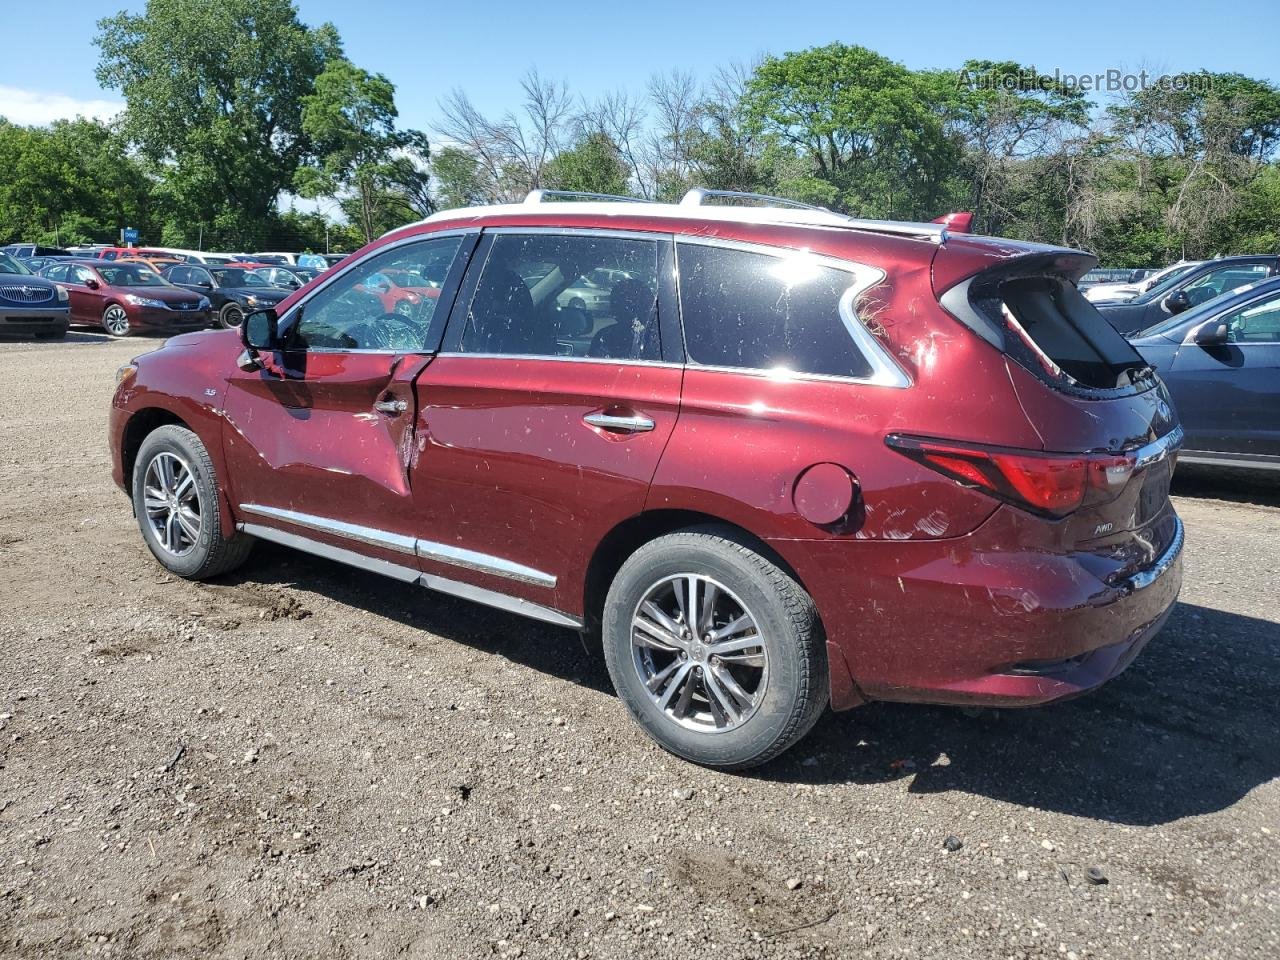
<point x="1053" y="330"/>
<point x="762" y="312"/>
<point x="580" y="295"/>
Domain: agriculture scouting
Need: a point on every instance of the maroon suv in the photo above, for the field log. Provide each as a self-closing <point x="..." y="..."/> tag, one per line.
<point x="798" y="458"/>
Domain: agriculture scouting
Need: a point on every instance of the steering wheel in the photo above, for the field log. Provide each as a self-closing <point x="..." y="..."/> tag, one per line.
<point x="391" y="331"/>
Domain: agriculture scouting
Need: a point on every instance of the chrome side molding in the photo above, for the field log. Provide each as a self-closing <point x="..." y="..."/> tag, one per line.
<point x="467" y="591"/>
<point x="427" y="549"/>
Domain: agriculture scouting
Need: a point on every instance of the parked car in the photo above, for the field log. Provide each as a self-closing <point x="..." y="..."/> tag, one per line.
<point x="193" y="256"/>
<point x="30" y="305"/>
<point x="284" y="259"/>
<point x="1178" y="292"/>
<point x="36" y="264"/>
<point x="333" y="259"/>
<point x="21" y="251"/>
<point x="313" y="261"/>
<point x="1221" y="362"/>
<point x="127" y="298"/>
<point x="233" y="291"/>
<point x="287" y="278"/>
<point x="1120" y="292"/>
<point x="1102" y="275"/>
<point x="767" y="483"/>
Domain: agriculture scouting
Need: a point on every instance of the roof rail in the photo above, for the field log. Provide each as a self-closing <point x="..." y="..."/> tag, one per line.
<point x="541" y="196"/>
<point x="933" y="231"/>
<point x="697" y="196"/>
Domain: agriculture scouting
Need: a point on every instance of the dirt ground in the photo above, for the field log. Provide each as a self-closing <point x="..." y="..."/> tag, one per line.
<point x="306" y="761"/>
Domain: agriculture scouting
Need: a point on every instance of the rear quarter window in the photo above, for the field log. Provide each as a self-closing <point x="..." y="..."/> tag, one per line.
<point x="758" y="311"/>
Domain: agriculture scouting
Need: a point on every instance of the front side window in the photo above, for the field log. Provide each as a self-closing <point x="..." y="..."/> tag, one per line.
<point x="588" y="296"/>
<point x="764" y="312"/>
<point x="1255" y="323"/>
<point x="1224" y="280"/>
<point x="388" y="302"/>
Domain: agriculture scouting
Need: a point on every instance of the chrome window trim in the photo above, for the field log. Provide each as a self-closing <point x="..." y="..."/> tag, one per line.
<point x="611" y="233"/>
<point x="467" y="591"/>
<point x="412" y="546"/>
<point x="885" y="372"/>
<point x="457" y="354"/>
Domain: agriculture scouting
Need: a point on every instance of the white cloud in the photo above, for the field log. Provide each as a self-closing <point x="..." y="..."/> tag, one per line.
<point x="37" y="107"/>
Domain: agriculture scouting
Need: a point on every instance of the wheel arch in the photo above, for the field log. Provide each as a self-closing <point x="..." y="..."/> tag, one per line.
<point x="145" y="421"/>
<point x="630" y="534"/>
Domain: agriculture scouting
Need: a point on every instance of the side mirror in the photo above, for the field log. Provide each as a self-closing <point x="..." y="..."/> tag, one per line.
<point x="1177" y="302"/>
<point x="92" y="284"/>
<point x="258" y="333"/>
<point x="1213" y="334"/>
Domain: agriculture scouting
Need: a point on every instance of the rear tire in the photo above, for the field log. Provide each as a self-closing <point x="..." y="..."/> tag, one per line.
<point x="740" y="707"/>
<point x="175" y="499"/>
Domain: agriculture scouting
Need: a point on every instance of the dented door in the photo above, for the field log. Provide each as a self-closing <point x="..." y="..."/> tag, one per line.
<point x="329" y="439"/>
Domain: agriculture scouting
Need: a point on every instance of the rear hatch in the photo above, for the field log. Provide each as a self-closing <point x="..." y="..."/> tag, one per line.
<point x="1088" y="394"/>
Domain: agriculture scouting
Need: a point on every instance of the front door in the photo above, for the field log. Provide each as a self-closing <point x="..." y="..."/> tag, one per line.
<point x="1228" y="395"/>
<point x="320" y="441"/>
<point x="543" y="420"/>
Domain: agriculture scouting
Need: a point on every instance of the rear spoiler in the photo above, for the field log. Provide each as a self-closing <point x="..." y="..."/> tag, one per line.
<point x="959" y="222"/>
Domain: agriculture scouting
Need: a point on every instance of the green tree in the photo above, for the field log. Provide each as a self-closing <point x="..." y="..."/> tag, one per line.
<point x="213" y="95"/>
<point x="70" y="182"/>
<point x="592" y="165"/>
<point x="871" y="131"/>
<point x="379" y="172"/>
<point x="459" y="181"/>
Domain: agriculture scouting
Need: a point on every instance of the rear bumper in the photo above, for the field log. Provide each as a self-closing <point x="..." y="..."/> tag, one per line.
<point x="973" y="621"/>
<point x="16" y="321"/>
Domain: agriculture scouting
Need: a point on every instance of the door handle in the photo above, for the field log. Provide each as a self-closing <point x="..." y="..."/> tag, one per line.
<point x="629" y="423"/>
<point x="392" y="407"/>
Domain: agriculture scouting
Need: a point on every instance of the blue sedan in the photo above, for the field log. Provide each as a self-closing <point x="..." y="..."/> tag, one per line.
<point x="1221" y="362"/>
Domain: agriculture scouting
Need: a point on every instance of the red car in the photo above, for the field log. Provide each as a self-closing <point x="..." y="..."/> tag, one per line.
<point x="804" y="459"/>
<point x="125" y="297"/>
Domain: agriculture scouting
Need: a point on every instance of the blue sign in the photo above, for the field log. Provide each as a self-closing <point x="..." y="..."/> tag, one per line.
<point x="130" y="234"/>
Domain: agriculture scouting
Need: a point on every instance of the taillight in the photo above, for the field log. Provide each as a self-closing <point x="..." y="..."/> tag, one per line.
<point x="1054" y="484"/>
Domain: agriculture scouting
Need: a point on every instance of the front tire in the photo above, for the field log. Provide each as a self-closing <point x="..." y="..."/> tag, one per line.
<point x="231" y="316"/>
<point x="116" y="321"/>
<point x="175" y="499"/>
<point x="716" y="651"/>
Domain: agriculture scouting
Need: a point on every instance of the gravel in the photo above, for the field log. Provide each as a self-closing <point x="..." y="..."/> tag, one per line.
<point x="306" y="761"/>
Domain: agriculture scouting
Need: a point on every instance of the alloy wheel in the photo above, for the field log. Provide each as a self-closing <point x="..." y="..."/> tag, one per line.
<point x="699" y="653"/>
<point x="231" y="316"/>
<point x="116" y="321"/>
<point x="172" y="502"/>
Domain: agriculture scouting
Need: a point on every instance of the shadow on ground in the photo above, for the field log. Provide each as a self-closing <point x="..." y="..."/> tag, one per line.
<point x="1189" y="729"/>
<point x="1227" y="483"/>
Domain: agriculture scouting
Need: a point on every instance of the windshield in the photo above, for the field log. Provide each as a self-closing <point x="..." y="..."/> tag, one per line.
<point x="131" y="275"/>
<point x="10" y="265"/>
<point x="235" y="277"/>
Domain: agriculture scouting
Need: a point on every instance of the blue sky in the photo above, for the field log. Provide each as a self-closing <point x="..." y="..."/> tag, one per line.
<point x="427" y="48"/>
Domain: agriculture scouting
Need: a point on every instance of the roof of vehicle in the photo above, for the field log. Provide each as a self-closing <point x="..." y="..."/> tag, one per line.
<point x="693" y="207"/>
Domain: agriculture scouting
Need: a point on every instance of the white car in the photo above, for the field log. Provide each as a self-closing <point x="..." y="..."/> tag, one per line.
<point x="1126" y="291"/>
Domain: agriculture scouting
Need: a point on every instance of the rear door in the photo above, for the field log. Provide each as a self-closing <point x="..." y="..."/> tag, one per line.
<point x="542" y="422"/>
<point x="320" y="441"/>
<point x="1228" y="395"/>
